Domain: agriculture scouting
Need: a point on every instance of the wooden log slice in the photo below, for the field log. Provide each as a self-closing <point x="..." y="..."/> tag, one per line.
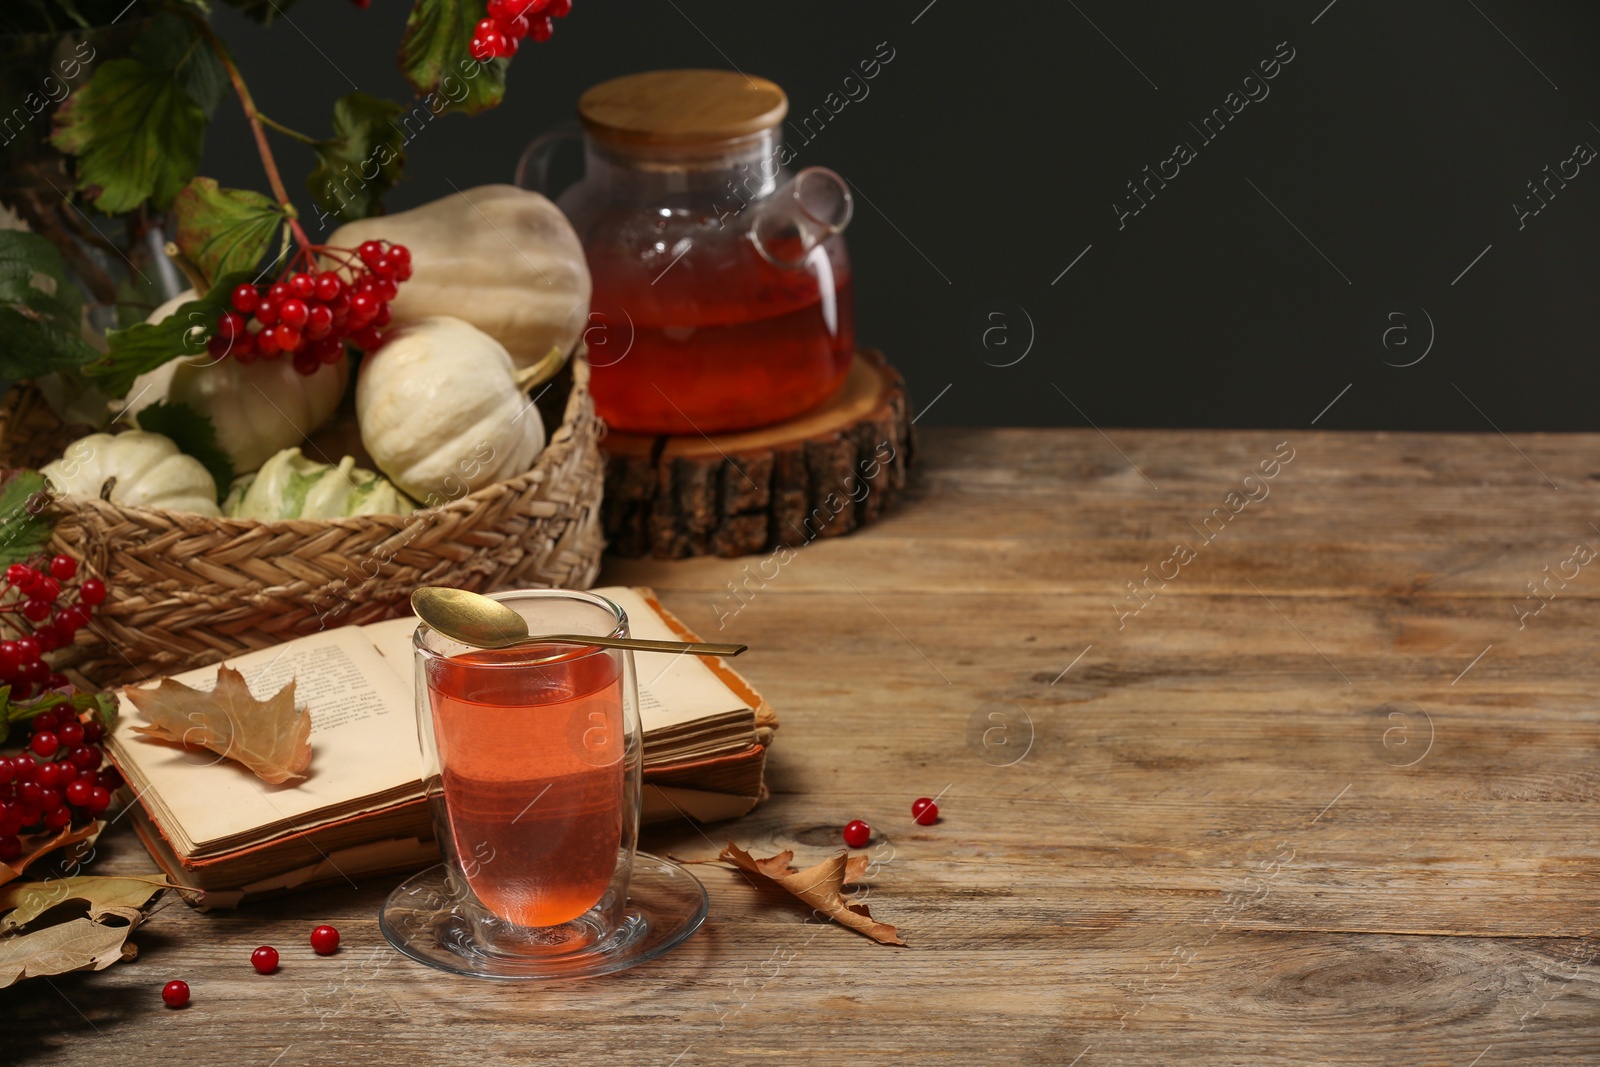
<point x="823" y="474"/>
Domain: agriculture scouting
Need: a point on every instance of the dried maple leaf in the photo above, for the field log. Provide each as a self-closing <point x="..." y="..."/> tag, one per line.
<point x="271" y="737"/>
<point x="121" y="896"/>
<point x="38" y="845"/>
<point x="71" y="946"/>
<point x="819" y="886"/>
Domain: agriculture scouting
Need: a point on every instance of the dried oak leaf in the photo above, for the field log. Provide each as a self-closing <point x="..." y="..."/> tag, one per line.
<point x="819" y="886"/>
<point x="71" y="946"/>
<point x="38" y="845"/>
<point x="270" y="737"/>
<point x="120" y="896"/>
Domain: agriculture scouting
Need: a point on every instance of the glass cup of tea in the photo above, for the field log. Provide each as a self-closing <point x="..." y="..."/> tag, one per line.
<point x="531" y="762"/>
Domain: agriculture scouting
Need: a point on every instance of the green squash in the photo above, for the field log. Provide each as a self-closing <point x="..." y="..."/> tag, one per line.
<point x="289" y="486"/>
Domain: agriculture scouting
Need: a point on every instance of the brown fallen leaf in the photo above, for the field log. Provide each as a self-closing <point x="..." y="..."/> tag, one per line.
<point x="122" y="896"/>
<point x="819" y="886"/>
<point x="271" y="737"/>
<point x="71" y="946"/>
<point x="37" y="845"/>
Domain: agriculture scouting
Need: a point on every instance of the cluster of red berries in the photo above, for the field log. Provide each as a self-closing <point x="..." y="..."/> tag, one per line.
<point x="49" y="612"/>
<point x="58" y="780"/>
<point x="509" y="21"/>
<point x="308" y="314"/>
<point x="924" y="812"/>
<point x="324" y="942"/>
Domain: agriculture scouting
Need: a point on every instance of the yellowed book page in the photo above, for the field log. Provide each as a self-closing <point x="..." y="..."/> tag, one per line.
<point x="673" y="689"/>
<point x="665" y="803"/>
<point x="392" y="639"/>
<point x="363" y="739"/>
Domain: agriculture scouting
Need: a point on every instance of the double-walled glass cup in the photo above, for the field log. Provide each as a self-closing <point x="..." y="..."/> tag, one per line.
<point x="531" y="763"/>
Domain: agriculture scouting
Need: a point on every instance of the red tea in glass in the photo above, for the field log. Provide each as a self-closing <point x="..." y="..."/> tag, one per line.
<point x="531" y="762"/>
<point x="533" y="777"/>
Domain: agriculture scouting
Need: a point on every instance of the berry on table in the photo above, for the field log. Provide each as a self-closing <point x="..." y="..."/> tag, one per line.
<point x="325" y="940"/>
<point x="175" y="994"/>
<point x="264" y="959"/>
<point x="924" y="812"/>
<point x="857" y="833"/>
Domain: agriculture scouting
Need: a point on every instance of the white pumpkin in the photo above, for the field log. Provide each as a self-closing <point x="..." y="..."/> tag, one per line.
<point x="149" y="470"/>
<point x="441" y="412"/>
<point x="502" y="258"/>
<point x="258" y="408"/>
<point x="289" y="486"/>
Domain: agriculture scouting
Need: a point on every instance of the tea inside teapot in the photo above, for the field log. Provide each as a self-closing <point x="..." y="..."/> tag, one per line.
<point x="722" y="297"/>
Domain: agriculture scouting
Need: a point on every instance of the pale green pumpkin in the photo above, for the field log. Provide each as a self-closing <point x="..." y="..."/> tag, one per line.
<point x="289" y="486"/>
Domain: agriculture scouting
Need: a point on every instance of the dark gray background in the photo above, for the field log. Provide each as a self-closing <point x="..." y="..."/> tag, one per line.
<point x="990" y="150"/>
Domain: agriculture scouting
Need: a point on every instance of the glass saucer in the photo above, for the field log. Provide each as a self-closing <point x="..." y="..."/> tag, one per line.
<point x="427" y="921"/>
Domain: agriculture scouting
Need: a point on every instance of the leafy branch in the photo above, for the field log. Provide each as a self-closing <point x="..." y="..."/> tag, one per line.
<point x="136" y="128"/>
<point x="253" y="116"/>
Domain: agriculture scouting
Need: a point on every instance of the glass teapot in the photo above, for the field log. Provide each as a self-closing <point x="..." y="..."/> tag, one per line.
<point x="721" y="284"/>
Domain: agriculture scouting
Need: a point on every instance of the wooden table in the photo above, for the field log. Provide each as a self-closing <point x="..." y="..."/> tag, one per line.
<point x="1328" y="798"/>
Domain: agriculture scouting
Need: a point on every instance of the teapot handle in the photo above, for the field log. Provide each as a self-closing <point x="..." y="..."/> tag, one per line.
<point x="533" y="169"/>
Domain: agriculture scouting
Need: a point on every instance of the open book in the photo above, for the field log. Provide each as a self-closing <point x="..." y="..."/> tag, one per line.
<point x="214" y="825"/>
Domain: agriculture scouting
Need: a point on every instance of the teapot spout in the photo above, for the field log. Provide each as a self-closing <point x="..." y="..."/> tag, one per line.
<point x="812" y="207"/>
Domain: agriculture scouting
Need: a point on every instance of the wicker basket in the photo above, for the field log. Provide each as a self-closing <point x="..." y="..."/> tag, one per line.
<point x="186" y="590"/>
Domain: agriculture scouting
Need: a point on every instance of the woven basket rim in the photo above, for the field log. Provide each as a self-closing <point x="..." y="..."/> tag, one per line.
<point x="554" y="451"/>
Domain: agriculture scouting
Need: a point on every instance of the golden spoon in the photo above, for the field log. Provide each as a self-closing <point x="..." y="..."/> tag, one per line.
<point x="474" y="619"/>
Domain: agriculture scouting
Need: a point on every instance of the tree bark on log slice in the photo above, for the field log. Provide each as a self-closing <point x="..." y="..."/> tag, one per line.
<point x="823" y="474"/>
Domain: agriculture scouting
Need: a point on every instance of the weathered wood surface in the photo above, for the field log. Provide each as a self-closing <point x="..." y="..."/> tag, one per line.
<point x="1286" y="814"/>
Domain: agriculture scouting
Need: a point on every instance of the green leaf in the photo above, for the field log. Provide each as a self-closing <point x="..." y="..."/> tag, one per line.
<point x="104" y="706"/>
<point x="41" y="313"/>
<point x="362" y="160"/>
<point x="225" y="230"/>
<point x="32" y="346"/>
<point x="137" y="134"/>
<point x="435" y="60"/>
<point x="193" y="433"/>
<point x="24" y="517"/>
<point x="145" y="346"/>
<point x="176" y="44"/>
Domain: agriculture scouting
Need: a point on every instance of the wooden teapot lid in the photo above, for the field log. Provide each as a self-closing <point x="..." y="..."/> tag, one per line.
<point x="681" y="107"/>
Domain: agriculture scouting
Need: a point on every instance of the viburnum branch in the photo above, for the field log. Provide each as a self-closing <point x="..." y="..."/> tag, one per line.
<point x="9" y="609"/>
<point x="285" y="130"/>
<point x="255" y="118"/>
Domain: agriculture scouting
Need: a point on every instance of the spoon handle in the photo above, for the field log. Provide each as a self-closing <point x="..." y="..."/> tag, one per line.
<point x="695" y="648"/>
